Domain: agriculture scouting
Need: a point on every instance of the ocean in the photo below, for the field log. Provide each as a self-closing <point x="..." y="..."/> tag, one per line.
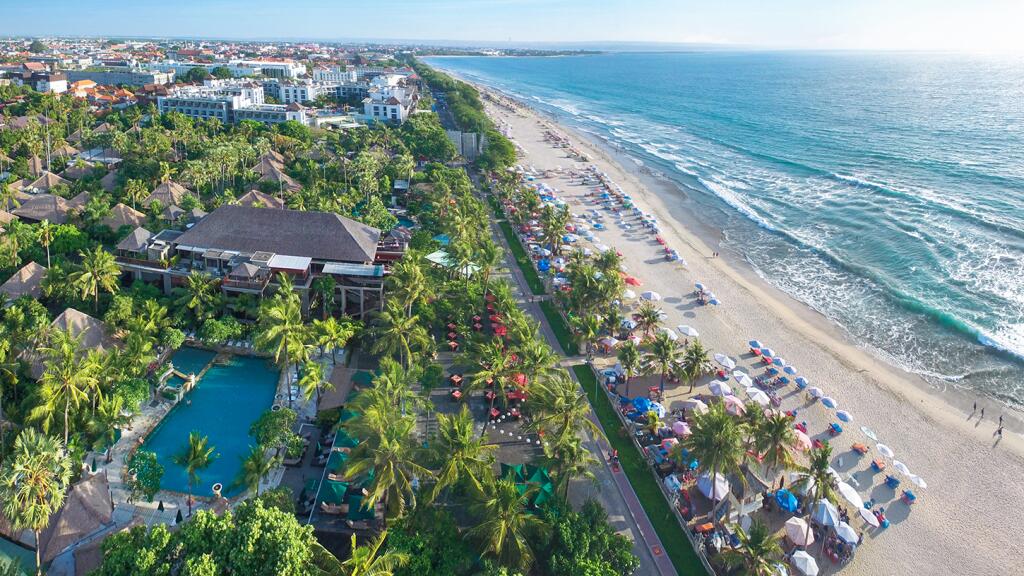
<point x="885" y="191"/>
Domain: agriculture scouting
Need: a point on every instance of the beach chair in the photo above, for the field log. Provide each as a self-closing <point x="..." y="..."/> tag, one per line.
<point x="878" y="465"/>
<point x="859" y="448"/>
<point x="834" y="429"/>
<point x="892" y="482"/>
<point x="908" y="497"/>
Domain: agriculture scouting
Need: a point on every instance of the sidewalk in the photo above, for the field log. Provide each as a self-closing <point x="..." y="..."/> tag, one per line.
<point x="621" y="503"/>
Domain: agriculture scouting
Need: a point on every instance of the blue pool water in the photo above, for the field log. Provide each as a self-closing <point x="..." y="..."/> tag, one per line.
<point x="191" y="360"/>
<point x="884" y="190"/>
<point x="224" y="404"/>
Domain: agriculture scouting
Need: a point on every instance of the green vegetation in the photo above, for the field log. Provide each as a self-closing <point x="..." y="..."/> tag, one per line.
<point x="558" y="326"/>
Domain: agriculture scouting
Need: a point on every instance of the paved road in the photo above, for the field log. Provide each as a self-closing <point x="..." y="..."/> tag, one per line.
<point x="611" y="488"/>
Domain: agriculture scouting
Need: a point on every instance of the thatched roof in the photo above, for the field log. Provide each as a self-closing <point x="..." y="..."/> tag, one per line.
<point x="43" y="207"/>
<point x="93" y="334"/>
<point x="90" y="556"/>
<point x="25" y="282"/>
<point x="271" y="172"/>
<point x="109" y="182"/>
<point x="256" y="199"/>
<point x="79" y="201"/>
<point x="341" y="380"/>
<point x="77" y="170"/>
<point x="6" y="216"/>
<point x="46" y="181"/>
<point x="317" y="235"/>
<point x="87" y="509"/>
<point x="121" y="215"/>
<point x="167" y="193"/>
<point x="136" y="241"/>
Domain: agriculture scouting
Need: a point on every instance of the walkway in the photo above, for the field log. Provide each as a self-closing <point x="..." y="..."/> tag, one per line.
<point x="623" y="506"/>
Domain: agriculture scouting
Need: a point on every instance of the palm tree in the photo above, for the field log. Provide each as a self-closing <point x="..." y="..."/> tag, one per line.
<point x="661" y="357"/>
<point x="195" y="456"/>
<point x="397" y="333"/>
<point x="465" y="456"/>
<point x="369" y="560"/>
<point x="553" y="222"/>
<point x="33" y="483"/>
<point x="45" y="232"/>
<point x="570" y="460"/>
<point x="716" y="441"/>
<point x="629" y="357"/>
<point x="65" y="382"/>
<point x="504" y="523"/>
<point x="587" y="328"/>
<point x="537" y="359"/>
<point x="773" y="438"/>
<point x="817" y="479"/>
<point x="758" y="553"/>
<point x="312" y="380"/>
<point x="97" y="273"/>
<point x="647" y="317"/>
<point x="199" y="295"/>
<point x="135" y="191"/>
<point x="560" y="409"/>
<point x="488" y="257"/>
<point x="407" y="283"/>
<point x="696" y="362"/>
<point x="255" y="467"/>
<point x="323" y="288"/>
<point x="282" y="333"/>
<point x="392" y="459"/>
<point x="106" y="422"/>
<point x="333" y="334"/>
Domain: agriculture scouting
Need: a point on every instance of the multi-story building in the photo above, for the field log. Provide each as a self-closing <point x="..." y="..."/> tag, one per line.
<point x="230" y="101"/>
<point x="117" y="76"/>
<point x="247" y="248"/>
<point x="335" y="74"/>
<point x="390" y="99"/>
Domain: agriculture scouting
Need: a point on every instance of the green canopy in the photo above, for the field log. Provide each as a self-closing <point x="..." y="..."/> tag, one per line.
<point x="356" y="511"/>
<point x="347" y="415"/>
<point x="362" y="378"/>
<point x="345" y="441"/>
<point x="513" y="472"/>
<point x="333" y="492"/>
<point x="538" y="475"/>
<point x="311" y="484"/>
<point x="336" y="461"/>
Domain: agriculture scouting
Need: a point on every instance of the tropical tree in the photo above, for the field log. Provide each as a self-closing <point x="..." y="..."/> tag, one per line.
<point x="312" y="380"/>
<point x="560" y="409"/>
<point x="758" y="554"/>
<point x="333" y="334"/>
<point x="696" y="362"/>
<point x="135" y="191"/>
<point x="255" y="467"/>
<point x="570" y="460"/>
<point x="65" y="382"/>
<point x="661" y="357"/>
<point x="630" y="359"/>
<point x="716" y="441"/>
<point x="587" y="328"/>
<point x="106" y="422"/>
<point x="396" y="333"/>
<point x="97" y="273"/>
<point x="647" y="318"/>
<point x="370" y="560"/>
<point x="45" y="232"/>
<point x="488" y="257"/>
<point x="323" y="289"/>
<point x="816" y="479"/>
<point x="773" y="439"/>
<point x="199" y="295"/>
<point x="195" y="456"/>
<point x="33" y="483"/>
<point x="282" y="333"/>
<point x="392" y="459"/>
<point x="504" y="524"/>
<point x="465" y="456"/>
<point x="407" y="283"/>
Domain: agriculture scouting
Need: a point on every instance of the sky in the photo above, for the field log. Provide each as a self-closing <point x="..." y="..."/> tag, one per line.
<point x="955" y="25"/>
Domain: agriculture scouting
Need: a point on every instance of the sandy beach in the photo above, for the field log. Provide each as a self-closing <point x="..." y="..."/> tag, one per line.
<point x="965" y="522"/>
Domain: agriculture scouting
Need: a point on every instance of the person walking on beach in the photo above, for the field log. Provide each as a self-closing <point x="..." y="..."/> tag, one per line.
<point x="982" y="412"/>
<point x="1000" y="420"/>
<point x="975" y="409"/>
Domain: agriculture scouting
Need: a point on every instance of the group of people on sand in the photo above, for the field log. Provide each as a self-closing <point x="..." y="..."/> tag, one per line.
<point x="981" y="416"/>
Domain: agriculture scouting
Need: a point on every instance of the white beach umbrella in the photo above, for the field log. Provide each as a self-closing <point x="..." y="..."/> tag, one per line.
<point x="651" y="296"/>
<point x="918" y="481"/>
<point x="844" y="416"/>
<point x="602" y="247"/>
<point x="850" y="494"/>
<point x="797" y="532"/>
<point x="869" y="433"/>
<point x="669" y="332"/>
<point x="715" y="490"/>
<point x="825" y="513"/>
<point x="885" y="450"/>
<point x="846" y="533"/>
<point x="779" y="361"/>
<point x="868" y="517"/>
<point x="828" y="402"/>
<point x="725" y="361"/>
<point x="815" y="392"/>
<point x="695" y="405"/>
<point x="720" y="388"/>
<point x="687" y="330"/>
<point x="743" y="379"/>
<point x="628" y="294"/>
<point x="804" y="563"/>
<point x="901" y="467"/>
<point x="609" y="341"/>
<point x="758" y="396"/>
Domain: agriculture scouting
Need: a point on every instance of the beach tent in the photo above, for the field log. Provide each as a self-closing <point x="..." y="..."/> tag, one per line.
<point x="804" y="563"/>
<point x="786" y="500"/>
<point x="901" y="467"/>
<point x="714" y="490"/>
<point x="669" y="333"/>
<point x="798" y="533"/>
<point x="828" y="402"/>
<point x="642" y="404"/>
<point x="333" y="492"/>
<point x="815" y="392"/>
<point x="755" y="344"/>
<point x="791" y="370"/>
<point x="825" y="513"/>
<point x="918" y="481"/>
<point x="844" y="415"/>
<point x="885" y="451"/>
<point x="734" y="406"/>
<point x="651" y="296"/>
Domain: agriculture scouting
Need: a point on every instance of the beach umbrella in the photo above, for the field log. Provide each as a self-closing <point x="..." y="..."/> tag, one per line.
<point x="720" y="388"/>
<point x="632" y="281"/>
<point x="695" y="405"/>
<point x="885" y="450"/>
<point x="918" y="481"/>
<point x="642" y="404"/>
<point x="635" y="340"/>
<point x="790" y="370"/>
<point x="828" y="402"/>
<point x="628" y="324"/>
<point x="786" y="500"/>
<point x="797" y="532"/>
<point x="825" y="513"/>
<point x="802" y="382"/>
<point x="713" y="489"/>
<point x="734" y="406"/>
<point x="651" y="296"/>
<point x="714" y="301"/>
<point x="846" y="533"/>
<point x="602" y="247"/>
<point x="869" y="433"/>
<point x="768" y="352"/>
<point x="658" y="409"/>
<point x="755" y="344"/>
<point x="901" y="467"/>
<point x="668" y="443"/>
<point x="628" y="294"/>
<point x="687" y="330"/>
<point x="609" y="341"/>
<point x="803" y="441"/>
<point x="804" y="563"/>
<point x="778" y="361"/>
<point x="743" y="379"/>
<point x="779" y="570"/>
<point x="672" y="483"/>
<point x="758" y="396"/>
<point x="850" y="494"/>
<point x="868" y="516"/>
<point x="725" y="361"/>
<point x="699" y="286"/>
<point x="844" y="416"/>
<point x="670" y="333"/>
<point x="681" y="428"/>
<point x="815" y="392"/>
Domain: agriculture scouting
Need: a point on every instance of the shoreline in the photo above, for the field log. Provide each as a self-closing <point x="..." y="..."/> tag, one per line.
<point x="928" y="431"/>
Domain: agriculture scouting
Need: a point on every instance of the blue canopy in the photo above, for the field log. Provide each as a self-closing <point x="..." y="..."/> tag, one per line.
<point x="543" y="265"/>
<point x="786" y="500"/>
<point x="642" y="404"/>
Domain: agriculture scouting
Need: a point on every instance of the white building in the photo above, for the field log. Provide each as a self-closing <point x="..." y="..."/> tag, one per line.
<point x="230" y="101"/>
<point x="335" y="74"/>
<point x="389" y="103"/>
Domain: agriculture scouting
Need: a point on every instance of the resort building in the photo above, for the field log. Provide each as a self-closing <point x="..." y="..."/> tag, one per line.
<point x="335" y="74"/>
<point x="92" y="333"/>
<point x="247" y="247"/>
<point x="390" y="99"/>
<point x="25" y="282"/>
<point x="120" y="75"/>
<point x="229" y="102"/>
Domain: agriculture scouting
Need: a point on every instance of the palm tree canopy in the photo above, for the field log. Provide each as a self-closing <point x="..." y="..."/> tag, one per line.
<point x="504" y="523"/>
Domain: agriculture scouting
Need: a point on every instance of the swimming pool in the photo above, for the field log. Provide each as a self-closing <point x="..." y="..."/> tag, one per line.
<point x="222" y="406"/>
<point x="191" y="360"/>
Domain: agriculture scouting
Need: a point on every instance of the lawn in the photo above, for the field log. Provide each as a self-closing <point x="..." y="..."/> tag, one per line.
<point x="559" y="327"/>
<point x="674" y="541"/>
<point x="522" y="258"/>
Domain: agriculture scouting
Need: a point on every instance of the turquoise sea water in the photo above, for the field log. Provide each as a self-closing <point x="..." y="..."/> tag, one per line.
<point x="884" y="190"/>
<point x="224" y="404"/>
